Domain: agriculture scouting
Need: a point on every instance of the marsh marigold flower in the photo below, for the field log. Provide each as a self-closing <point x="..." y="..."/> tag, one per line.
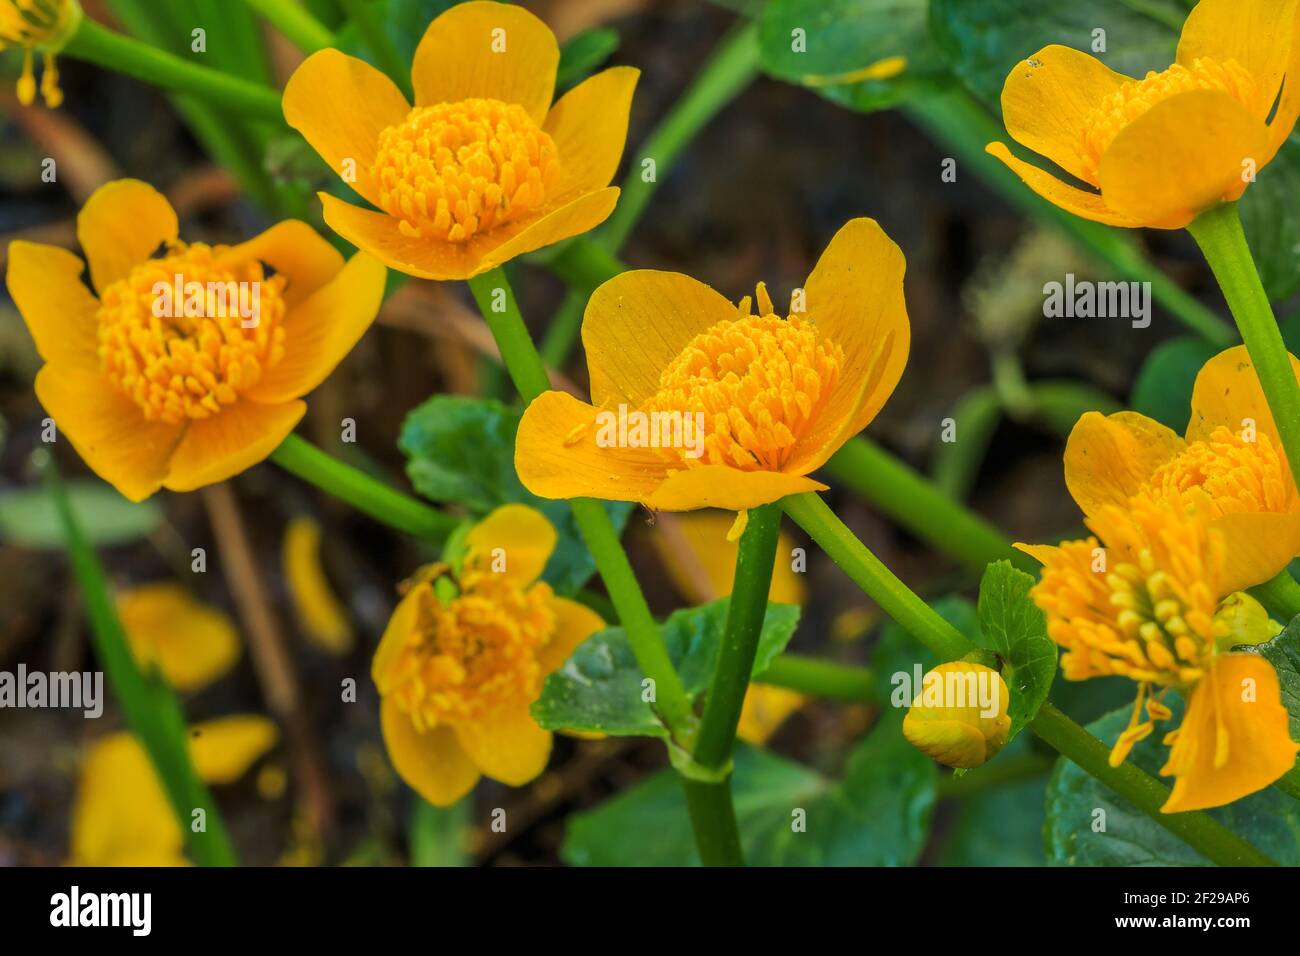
<point x="465" y="655"/>
<point x="484" y="167"/>
<point x="959" y="716"/>
<point x="191" y="643"/>
<point x="189" y="364"/>
<point x="699" y="403"/>
<point x="44" y="25"/>
<point x="1159" y="150"/>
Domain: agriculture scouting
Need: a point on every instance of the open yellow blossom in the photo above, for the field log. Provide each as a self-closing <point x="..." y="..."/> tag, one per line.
<point x="190" y="364"/>
<point x="959" y="715"/>
<point x="44" y="25"/>
<point x="1143" y="599"/>
<point x="700" y="404"/>
<point x="464" y="657"/>
<point x="191" y="643"/>
<point x="1158" y="151"/>
<point x="1229" y="469"/>
<point x="484" y="167"/>
<point x="122" y="816"/>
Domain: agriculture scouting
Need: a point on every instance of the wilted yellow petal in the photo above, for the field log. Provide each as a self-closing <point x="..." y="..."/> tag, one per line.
<point x="193" y="644"/>
<point x="322" y="616"/>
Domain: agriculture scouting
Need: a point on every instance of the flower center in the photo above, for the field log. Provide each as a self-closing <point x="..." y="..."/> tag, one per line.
<point x="472" y="654"/>
<point x="1235" y="475"/>
<point x="453" y="170"/>
<point x="183" y="335"/>
<point x="1133" y="99"/>
<point x="759" y="381"/>
<point x="31" y="22"/>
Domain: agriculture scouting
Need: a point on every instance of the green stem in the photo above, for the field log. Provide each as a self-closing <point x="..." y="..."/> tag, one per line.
<point x="713" y="818"/>
<point x="496" y="300"/>
<point x="1280" y="596"/>
<point x="371" y="27"/>
<point x="101" y="46"/>
<point x="366" y="494"/>
<point x="1219" y="234"/>
<point x="1199" y="830"/>
<point x="149" y="705"/>
<point x="819" y="678"/>
<point x="295" y="22"/>
<point x="1289" y="783"/>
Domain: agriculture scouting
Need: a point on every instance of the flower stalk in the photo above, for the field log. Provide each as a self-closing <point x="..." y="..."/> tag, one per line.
<point x="297" y="24"/>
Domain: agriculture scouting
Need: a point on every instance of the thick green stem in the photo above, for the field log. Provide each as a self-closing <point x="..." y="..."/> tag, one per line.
<point x="1280" y="596"/>
<point x="295" y="22"/>
<point x="819" y="678"/>
<point x="371" y="27"/>
<point x="366" y="494"/>
<point x="713" y="818"/>
<point x="1219" y="234"/>
<point x="1199" y="830"/>
<point x="102" y="46"/>
<point x="496" y="300"/>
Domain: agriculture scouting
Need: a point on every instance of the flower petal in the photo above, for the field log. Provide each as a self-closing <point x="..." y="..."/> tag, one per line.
<point x="638" y="322"/>
<point x="524" y="536"/>
<point x="589" y="126"/>
<point x="121" y="811"/>
<point x="717" y="486"/>
<point x="45" y="283"/>
<point x="1227" y="393"/>
<point x="765" y="709"/>
<point x="1259" y="546"/>
<point x="1108" y="458"/>
<point x="294" y="250"/>
<point x="574" y="623"/>
<point x="1234" y="738"/>
<point x="507" y="746"/>
<point x="1070" y="198"/>
<point x="121" y="225"/>
<point x="432" y="763"/>
<point x="1288" y="106"/>
<point x="396" y="635"/>
<point x="1047" y="97"/>
<point x="234" y="439"/>
<point x="340" y="105"/>
<point x="108" y="430"/>
<point x="491" y="51"/>
<point x="701" y="562"/>
<point x="1255" y="33"/>
<point x="575" y="217"/>
<point x="1181" y="156"/>
<point x="320" y="332"/>
<point x="223" y="749"/>
<point x="557" y="455"/>
<point x="193" y="644"/>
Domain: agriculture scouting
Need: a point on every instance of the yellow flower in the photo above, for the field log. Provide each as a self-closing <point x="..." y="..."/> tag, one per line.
<point x="484" y="167"/>
<point x="122" y="817"/>
<point x="702" y="404"/>
<point x="1160" y="150"/>
<point x="959" y="716"/>
<point x="189" y="366"/>
<point x="1229" y="469"/>
<point x="191" y="643"/>
<point x="324" y="619"/>
<point x="465" y="655"/>
<point x="44" y="25"/>
<point x="1142" y="600"/>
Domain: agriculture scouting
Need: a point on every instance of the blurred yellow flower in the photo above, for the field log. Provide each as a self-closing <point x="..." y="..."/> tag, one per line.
<point x="483" y="167"/>
<point x="1160" y="150"/>
<point x="189" y="367"/>
<point x="720" y="407"/>
<point x="765" y="709"/>
<point x="191" y="643"/>
<point x="323" y="618"/>
<point x="959" y="715"/>
<point x="122" y="817"/>
<point x="44" y="25"/>
<point x="465" y="655"/>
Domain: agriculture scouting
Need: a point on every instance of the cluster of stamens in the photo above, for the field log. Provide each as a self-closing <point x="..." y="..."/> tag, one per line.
<point x="30" y="24"/>
<point x="1230" y="473"/>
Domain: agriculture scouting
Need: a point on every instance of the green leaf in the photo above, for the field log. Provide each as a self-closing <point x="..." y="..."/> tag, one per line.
<point x="1164" y="385"/>
<point x="1272" y="221"/>
<point x="1283" y="652"/>
<point x="1267" y="819"/>
<point x="462" y="450"/>
<point x="983" y="41"/>
<point x="846" y="36"/>
<point x="29" y="518"/>
<point x="1013" y="627"/>
<point x="599" y="687"/>
<point x="879" y="815"/>
<point x="581" y="55"/>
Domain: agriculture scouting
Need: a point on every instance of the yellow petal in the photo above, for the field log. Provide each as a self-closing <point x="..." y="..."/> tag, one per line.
<point x="1234" y="738"/>
<point x="1255" y="33"/>
<point x="1042" y="553"/>
<point x="717" y="486"/>
<point x="1227" y="393"/>
<point x="321" y="331"/>
<point x="1047" y="97"/>
<point x="507" y="746"/>
<point x="518" y="534"/>
<point x="492" y="51"/>
<point x="589" y="126"/>
<point x="340" y="105"/>
<point x="108" y="430"/>
<point x="638" y="322"/>
<point x="295" y="251"/>
<point x="855" y="295"/>
<point x="1288" y="106"/>
<point x="121" y="225"/>
<point x="400" y="628"/>
<point x="1108" y="458"/>
<point x="234" y="439"/>
<point x="765" y="709"/>
<point x="1070" y="198"/>
<point x="193" y="644"/>
<point x="574" y="623"/>
<point x="579" y="215"/>
<point x="45" y="283"/>
<point x="1258" y="545"/>
<point x="701" y="562"/>
<point x="1180" y="157"/>
<point x="432" y="763"/>
<point x="223" y="749"/>
<point x="320" y="613"/>
<point x="121" y="812"/>
<point x="557" y="455"/>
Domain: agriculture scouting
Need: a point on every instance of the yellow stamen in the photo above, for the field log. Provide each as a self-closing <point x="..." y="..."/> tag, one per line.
<point x="1229" y="475"/>
<point x="738" y="526"/>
